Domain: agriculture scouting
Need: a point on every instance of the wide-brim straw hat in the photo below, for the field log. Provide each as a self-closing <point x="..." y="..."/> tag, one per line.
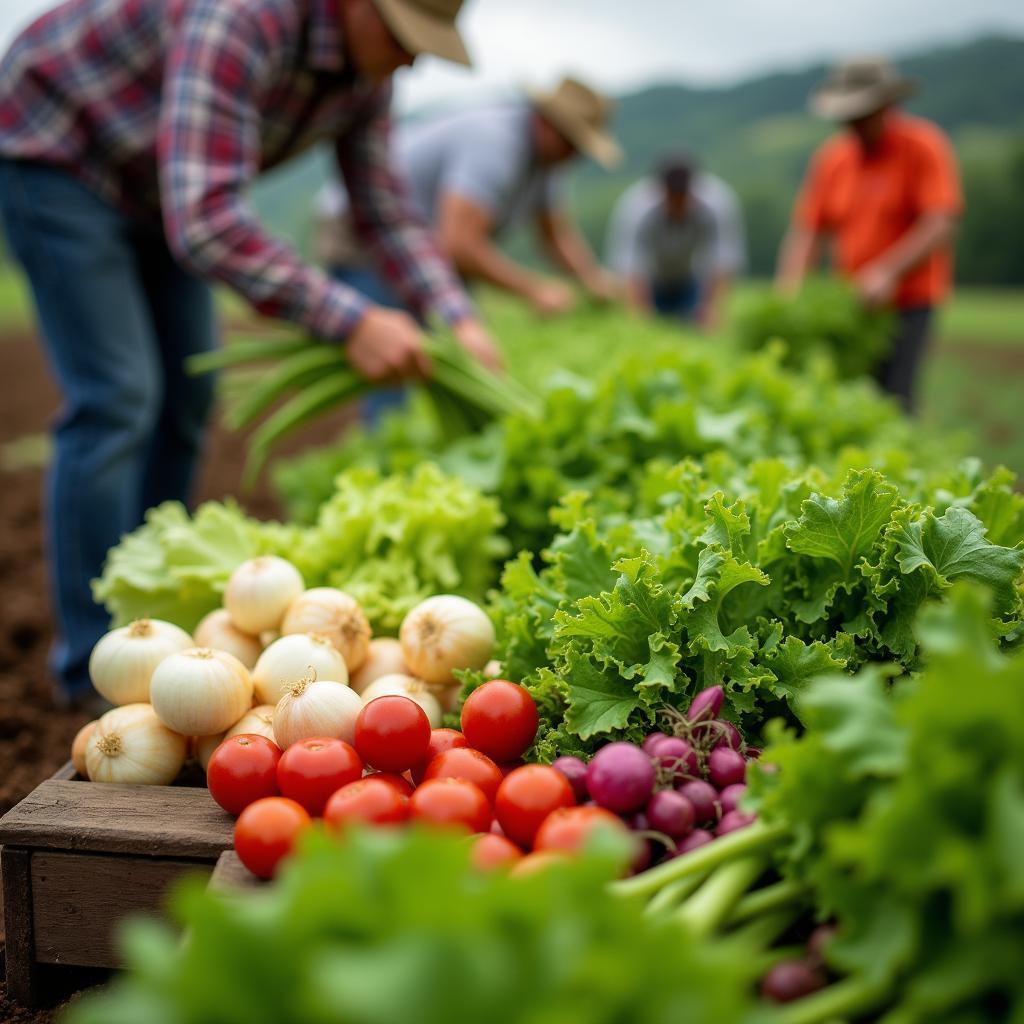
<point x="583" y="116"/>
<point x="859" y="87"/>
<point x="426" y="26"/>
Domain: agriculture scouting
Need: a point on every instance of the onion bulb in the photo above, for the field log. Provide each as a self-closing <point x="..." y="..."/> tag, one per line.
<point x="219" y="632"/>
<point x="335" y="615"/>
<point x="130" y="744"/>
<point x="384" y="658"/>
<point x="200" y="692"/>
<point x="444" y="633"/>
<point x="295" y="657"/>
<point x="122" y="663"/>
<point x="257" y="721"/>
<point x="492" y="670"/>
<point x="259" y="592"/>
<point x="406" y="686"/>
<point x="311" y="708"/>
<point x="78" y="747"/>
<point x="268" y="636"/>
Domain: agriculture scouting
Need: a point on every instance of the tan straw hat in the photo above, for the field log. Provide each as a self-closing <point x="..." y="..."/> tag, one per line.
<point x="426" y="26"/>
<point x="583" y="116"/>
<point x="859" y="87"/>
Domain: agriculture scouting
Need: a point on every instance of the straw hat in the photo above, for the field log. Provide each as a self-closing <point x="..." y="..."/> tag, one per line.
<point x="583" y="116"/>
<point x="426" y="26"/>
<point x="859" y="87"/>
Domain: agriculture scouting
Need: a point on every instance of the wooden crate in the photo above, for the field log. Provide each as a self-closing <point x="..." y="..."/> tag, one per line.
<point x="76" y="857"/>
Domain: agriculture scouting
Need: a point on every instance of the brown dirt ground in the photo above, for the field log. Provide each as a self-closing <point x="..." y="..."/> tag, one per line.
<point x="35" y="735"/>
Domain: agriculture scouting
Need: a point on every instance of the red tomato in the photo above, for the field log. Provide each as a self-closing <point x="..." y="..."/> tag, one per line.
<point x="500" y="718"/>
<point x="569" y="828"/>
<point x="370" y="800"/>
<point x="266" y="831"/>
<point x="311" y="770"/>
<point x="533" y="863"/>
<point x="440" y="741"/>
<point x="400" y="782"/>
<point x="526" y="797"/>
<point x="491" y="851"/>
<point x="452" y="802"/>
<point x="468" y="764"/>
<point x="392" y="733"/>
<point x="241" y="770"/>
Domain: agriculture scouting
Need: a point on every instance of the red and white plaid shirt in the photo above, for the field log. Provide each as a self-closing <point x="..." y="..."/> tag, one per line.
<point x="172" y="107"/>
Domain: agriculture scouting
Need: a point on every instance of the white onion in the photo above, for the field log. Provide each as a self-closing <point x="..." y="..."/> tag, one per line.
<point x="122" y="662"/>
<point x="268" y="636"/>
<point x="384" y="658"/>
<point x="259" y="592"/>
<point x="406" y="686"/>
<point x="295" y="657"/>
<point x="219" y="632"/>
<point x="444" y="633"/>
<point x="78" y="748"/>
<point x="257" y="721"/>
<point x="201" y="692"/>
<point x="334" y="614"/>
<point x="313" y="708"/>
<point x="130" y="744"/>
<point x="492" y="670"/>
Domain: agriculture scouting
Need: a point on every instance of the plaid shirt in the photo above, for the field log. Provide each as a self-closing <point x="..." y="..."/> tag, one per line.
<point x="172" y="107"/>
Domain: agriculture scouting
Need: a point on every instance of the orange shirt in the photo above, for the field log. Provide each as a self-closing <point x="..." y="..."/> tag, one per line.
<point x="868" y="200"/>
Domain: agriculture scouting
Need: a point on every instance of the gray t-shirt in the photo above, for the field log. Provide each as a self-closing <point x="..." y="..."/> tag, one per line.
<point x="484" y="154"/>
<point x="644" y="243"/>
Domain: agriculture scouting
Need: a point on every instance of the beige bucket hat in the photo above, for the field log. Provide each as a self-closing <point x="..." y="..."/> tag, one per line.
<point x="583" y="116"/>
<point x="858" y="87"/>
<point x="426" y="26"/>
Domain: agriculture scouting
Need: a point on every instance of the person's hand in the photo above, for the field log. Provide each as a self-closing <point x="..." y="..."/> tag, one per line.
<point x="387" y="344"/>
<point x="605" y="287"/>
<point x="477" y="341"/>
<point x="551" y="298"/>
<point x="876" y="285"/>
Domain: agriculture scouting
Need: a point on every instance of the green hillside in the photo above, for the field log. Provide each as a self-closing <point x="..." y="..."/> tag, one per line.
<point x="758" y="136"/>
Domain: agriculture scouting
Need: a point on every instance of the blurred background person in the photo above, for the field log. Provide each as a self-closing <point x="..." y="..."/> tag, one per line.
<point x="477" y="172"/>
<point x="677" y="239"/>
<point x="886" y="192"/>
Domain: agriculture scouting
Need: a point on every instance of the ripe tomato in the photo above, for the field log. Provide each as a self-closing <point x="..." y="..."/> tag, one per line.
<point x="468" y="764"/>
<point x="569" y="828"/>
<point x="526" y="797"/>
<point x="241" y="770"/>
<point x="400" y="782"/>
<point x="500" y="719"/>
<point x="266" y="832"/>
<point x="491" y="851"/>
<point x="440" y="741"/>
<point x="452" y="802"/>
<point x="311" y="770"/>
<point x="392" y="733"/>
<point x="369" y="800"/>
<point x="533" y="863"/>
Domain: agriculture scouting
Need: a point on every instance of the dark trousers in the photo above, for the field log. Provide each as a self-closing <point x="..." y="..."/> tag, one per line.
<point x="899" y="374"/>
<point x="118" y="317"/>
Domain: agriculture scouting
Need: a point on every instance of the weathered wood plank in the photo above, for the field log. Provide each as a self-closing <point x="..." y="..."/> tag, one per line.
<point x="80" y="899"/>
<point x="18" y="940"/>
<point x="231" y="875"/>
<point x="155" y="821"/>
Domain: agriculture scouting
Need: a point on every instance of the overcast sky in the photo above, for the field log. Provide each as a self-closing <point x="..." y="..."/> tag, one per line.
<point x="629" y="43"/>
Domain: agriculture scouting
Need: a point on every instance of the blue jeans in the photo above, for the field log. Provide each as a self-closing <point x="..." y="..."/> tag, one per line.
<point x="369" y="283"/>
<point x="118" y="317"/>
<point x="678" y="300"/>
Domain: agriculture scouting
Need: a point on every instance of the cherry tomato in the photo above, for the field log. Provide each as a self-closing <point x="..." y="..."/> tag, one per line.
<point x="491" y="851"/>
<point x="392" y="733"/>
<point x="311" y="770"/>
<point x="266" y="832"/>
<point x="369" y="800"/>
<point x="500" y="719"/>
<point x="569" y="828"/>
<point x="526" y="797"/>
<point x="533" y="863"/>
<point x="468" y="764"/>
<point x="400" y="782"/>
<point x="440" y="741"/>
<point x="452" y="802"/>
<point x="241" y="770"/>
